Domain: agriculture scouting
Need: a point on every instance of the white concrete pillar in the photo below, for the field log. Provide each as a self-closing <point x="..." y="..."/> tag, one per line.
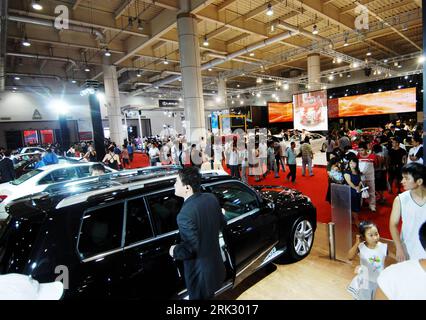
<point x="191" y="77"/>
<point x="126" y="133"/>
<point x="112" y="97"/>
<point x="314" y="71"/>
<point x="221" y="93"/>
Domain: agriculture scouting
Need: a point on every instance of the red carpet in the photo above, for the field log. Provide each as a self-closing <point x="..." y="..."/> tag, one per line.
<point x="315" y="188"/>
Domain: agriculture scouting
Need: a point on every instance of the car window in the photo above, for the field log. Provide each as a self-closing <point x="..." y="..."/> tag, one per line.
<point x="164" y="208"/>
<point x="101" y="230"/>
<point x="26" y="177"/>
<point x="138" y="225"/>
<point x="63" y="174"/>
<point x="84" y="171"/>
<point x="235" y="198"/>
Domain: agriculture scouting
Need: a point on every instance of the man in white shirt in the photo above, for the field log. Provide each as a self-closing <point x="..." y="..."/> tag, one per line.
<point x="283" y="147"/>
<point x="154" y="155"/>
<point x="405" y="280"/>
<point x="416" y="152"/>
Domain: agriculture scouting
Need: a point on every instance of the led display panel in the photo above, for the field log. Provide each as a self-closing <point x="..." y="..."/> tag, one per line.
<point x="394" y="101"/>
<point x="280" y="112"/>
<point x="310" y="111"/>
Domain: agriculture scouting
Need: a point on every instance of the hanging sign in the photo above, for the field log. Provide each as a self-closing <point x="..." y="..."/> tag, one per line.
<point x="168" y="103"/>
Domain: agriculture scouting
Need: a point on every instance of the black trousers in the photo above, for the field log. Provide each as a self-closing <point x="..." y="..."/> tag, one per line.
<point x="235" y="171"/>
<point x="292" y="173"/>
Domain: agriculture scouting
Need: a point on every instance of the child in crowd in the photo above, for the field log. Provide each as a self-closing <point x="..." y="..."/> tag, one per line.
<point x="335" y="173"/>
<point x="372" y="254"/>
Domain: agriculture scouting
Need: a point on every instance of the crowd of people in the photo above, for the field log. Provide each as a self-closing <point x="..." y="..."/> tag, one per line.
<point x="371" y="164"/>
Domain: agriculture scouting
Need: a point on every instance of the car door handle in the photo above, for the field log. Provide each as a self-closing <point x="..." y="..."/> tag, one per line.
<point x="240" y="229"/>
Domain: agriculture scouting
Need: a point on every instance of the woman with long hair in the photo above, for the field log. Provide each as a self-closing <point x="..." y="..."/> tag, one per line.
<point x="353" y="179"/>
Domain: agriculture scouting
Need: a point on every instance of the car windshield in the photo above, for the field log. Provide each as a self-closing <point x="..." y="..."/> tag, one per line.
<point x="26" y="177"/>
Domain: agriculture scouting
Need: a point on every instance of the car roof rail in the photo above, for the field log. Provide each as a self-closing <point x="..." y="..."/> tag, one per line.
<point x="80" y="190"/>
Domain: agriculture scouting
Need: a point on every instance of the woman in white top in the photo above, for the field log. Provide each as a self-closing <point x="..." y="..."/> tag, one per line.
<point x="410" y="207"/>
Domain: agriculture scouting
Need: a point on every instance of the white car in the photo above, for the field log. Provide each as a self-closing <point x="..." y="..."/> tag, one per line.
<point x="317" y="141"/>
<point x="39" y="179"/>
<point x="32" y="150"/>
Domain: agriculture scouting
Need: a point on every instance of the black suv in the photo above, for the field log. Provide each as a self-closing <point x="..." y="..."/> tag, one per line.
<point x="113" y="232"/>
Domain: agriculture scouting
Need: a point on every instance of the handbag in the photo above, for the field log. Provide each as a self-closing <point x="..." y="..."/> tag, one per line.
<point x="364" y="192"/>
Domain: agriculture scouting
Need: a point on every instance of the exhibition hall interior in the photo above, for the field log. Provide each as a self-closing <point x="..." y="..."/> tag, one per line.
<point x="212" y="149"/>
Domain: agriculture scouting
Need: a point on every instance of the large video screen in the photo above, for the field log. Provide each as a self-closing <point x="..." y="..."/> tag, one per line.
<point x="310" y="111"/>
<point x="394" y="101"/>
<point x="280" y="112"/>
<point x="333" y="108"/>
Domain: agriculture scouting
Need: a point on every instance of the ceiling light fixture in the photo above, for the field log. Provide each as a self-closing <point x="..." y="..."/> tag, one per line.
<point x="25" y="42"/>
<point x="139" y="74"/>
<point x="421" y="59"/>
<point x="368" y="52"/>
<point x="107" y="53"/>
<point x="205" y="42"/>
<point x="315" y="29"/>
<point x="269" y="11"/>
<point x="17" y="78"/>
<point x="339" y="60"/>
<point x="87" y="69"/>
<point x="259" y="80"/>
<point x="210" y="69"/>
<point x="286" y="86"/>
<point x="73" y="81"/>
<point x="166" y="61"/>
<point x="251" y="54"/>
<point x="141" y="25"/>
<point x="346" y="42"/>
<point x="36" y="5"/>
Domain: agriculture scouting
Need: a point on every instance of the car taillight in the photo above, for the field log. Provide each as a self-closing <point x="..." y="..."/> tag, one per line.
<point x="2" y="198"/>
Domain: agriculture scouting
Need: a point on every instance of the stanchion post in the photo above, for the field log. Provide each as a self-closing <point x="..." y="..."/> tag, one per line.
<point x="331" y="241"/>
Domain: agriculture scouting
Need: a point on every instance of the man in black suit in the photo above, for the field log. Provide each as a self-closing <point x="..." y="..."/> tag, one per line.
<point x="7" y="171"/>
<point x="200" y="221"/>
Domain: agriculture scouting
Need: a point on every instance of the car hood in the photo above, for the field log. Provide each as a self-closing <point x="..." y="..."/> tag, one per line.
<point x="281" y="195"/>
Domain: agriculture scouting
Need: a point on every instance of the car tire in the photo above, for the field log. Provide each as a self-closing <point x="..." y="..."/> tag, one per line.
<point x="301" y="239"/>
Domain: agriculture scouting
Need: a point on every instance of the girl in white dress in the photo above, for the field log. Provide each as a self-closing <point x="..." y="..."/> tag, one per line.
<point x="372" y="254"/>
